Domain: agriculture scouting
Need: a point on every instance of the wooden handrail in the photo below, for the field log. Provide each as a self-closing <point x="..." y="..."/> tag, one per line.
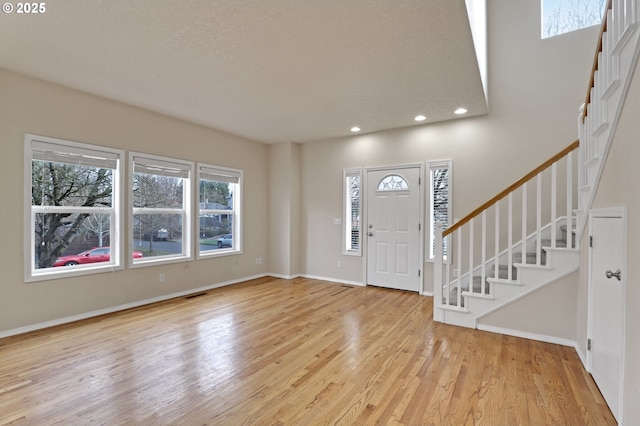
<point x="594" y="68"/>
<point x="533" y="173"/>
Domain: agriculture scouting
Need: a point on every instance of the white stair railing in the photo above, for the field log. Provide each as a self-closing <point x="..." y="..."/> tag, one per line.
<point x="613" y="66"/>
<point x="465" y="271"/>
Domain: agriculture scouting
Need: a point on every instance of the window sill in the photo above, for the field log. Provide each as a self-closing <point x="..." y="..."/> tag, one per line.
<point x="219" y="253"/>
<point x="70" y="272"/>
<point x="159" y="260"/>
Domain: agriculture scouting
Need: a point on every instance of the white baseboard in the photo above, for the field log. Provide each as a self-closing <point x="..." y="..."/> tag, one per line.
<point x="334" y="280"/>
<point x="427" y="293"/>
<point x="72" y="318"/>
<point x="526" y="335"/>
<point x="283" y="277"/>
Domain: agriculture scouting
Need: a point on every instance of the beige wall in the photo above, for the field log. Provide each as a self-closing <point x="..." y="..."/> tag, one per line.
<point x="535" y="89"/>
<point x="32" y="106"/>
<point x="549" y="313"/>
<point x="619" y="187"/>
<point x="284" y="209"/>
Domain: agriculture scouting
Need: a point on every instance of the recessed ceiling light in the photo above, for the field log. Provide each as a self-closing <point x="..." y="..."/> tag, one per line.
<point x="460" y="111"/>
<point x="420" y="118"/>
<point x="355" y="129"/>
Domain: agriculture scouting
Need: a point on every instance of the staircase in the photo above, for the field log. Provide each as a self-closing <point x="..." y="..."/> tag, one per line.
<point x="517" y="243"/>
<point x="501" y="251"/>
<point x="516" y="279"/>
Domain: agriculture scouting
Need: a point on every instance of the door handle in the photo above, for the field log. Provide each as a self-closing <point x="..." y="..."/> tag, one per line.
<point x="371" y="234"/>
<point x="616" y="274"/>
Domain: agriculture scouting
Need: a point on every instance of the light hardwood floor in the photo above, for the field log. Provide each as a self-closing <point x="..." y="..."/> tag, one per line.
<point x="290" y="352"/>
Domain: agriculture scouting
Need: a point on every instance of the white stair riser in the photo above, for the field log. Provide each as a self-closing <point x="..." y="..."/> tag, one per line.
<point x="560" y="262"/>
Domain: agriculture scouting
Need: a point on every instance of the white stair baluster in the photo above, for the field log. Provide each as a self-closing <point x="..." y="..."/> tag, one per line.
<point x="570" y="200"/>
<point x="510" y="239"/>
<point x="471" y="256"/>
<point x="523" y="244"/>
<point x="497" y="242"/>
<point x="483" y="273"/>
<point x="539" y="219"/>
<point x="458" y="282"/>
<point x="554" y="182"/>
<point x="438" y="283"/>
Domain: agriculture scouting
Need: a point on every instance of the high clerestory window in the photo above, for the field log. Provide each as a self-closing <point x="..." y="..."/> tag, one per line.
<point x="563" y="16"/>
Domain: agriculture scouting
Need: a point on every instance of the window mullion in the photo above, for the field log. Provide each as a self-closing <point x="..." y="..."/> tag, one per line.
<point x="71" y="209"/>
<point x="156" y="210"/>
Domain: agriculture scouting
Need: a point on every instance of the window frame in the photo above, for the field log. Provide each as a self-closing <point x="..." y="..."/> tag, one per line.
<point x="236" y="212"/>
<point x="185" y="211"/>
<point x="431" y="166"/>
<point x="347" y="238"/>
<point x="63" y="148"/>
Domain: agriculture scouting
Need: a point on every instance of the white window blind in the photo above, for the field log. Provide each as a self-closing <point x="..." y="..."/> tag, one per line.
<point x="73" y="154"/>
<point x="161" y="167"/>
<point x="219" y="174"/>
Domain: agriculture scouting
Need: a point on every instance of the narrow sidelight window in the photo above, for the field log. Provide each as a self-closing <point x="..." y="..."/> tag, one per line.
<point x="439" y="201"/>
<point x="352" y="206"/>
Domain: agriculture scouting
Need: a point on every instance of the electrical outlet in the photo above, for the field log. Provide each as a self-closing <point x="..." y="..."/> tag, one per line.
<point x="161" y="278"/>
<point x="339" y="264"/>
<point x="456" y="273"/>
<point x="260" y="261"/>
<point x="257" y="260"/>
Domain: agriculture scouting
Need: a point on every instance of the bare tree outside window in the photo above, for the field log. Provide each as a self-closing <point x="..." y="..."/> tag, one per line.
<point x="157" y="192"/>
<point x="563" y="16"/>
<point x="100" y="225"/>
<point x="65" y="185"/>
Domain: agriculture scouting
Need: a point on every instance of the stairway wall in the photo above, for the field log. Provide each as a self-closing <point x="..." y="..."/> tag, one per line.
<point x="619" y="187"/>
<point x="549" y="314"/>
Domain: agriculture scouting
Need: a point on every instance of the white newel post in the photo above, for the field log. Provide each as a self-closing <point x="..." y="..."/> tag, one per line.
<point x="438" y="314"/>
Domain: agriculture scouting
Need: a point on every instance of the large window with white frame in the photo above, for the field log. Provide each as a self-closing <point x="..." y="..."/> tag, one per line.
<point x="160" y="221"/>
<point x="440" y="178"/>
<point x="351" y="240"/>
<point x="73" y="218"/>
<point x="219" y="210"/>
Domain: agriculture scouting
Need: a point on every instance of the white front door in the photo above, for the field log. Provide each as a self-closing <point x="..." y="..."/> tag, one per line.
<point x="393" y="228"/>
<point x="606" y="296"/>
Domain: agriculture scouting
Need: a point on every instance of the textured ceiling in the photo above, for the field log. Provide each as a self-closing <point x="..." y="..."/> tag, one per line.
<point x="268" y="70"/>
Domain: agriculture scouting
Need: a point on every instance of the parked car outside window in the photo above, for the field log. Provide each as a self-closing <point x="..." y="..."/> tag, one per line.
<point x="225" y="241"/>
<point x="95" y="255"/>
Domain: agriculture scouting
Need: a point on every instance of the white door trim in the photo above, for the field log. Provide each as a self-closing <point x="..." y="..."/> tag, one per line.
<point x="621" y="213"/>
<point x="365" y="218"/>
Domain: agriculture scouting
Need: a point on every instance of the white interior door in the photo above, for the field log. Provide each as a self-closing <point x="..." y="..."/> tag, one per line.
<point x="393" y="228"/>
<point x="606" y="319"/>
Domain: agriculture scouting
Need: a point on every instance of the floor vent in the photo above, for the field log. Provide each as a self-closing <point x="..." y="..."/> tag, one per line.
<point x="191" y="296"/>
